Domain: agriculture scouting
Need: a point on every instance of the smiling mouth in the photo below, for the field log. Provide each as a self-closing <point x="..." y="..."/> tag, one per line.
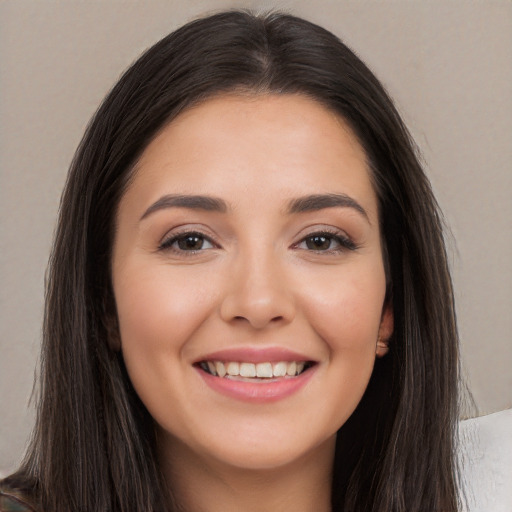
<point x="254" y="372"/>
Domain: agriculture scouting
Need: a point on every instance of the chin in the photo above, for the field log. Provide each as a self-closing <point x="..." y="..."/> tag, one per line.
<point x="258" y="448"/>
<point x="261" y="460"/>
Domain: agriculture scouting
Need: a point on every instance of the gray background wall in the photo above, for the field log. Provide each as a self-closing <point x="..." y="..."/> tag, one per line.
<point x="448" y="64"/>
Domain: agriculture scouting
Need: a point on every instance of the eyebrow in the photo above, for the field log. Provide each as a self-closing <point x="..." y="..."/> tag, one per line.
<point x="310" y="203"/>
<point x="192" y="202"/>
<point x="321" y="201"/>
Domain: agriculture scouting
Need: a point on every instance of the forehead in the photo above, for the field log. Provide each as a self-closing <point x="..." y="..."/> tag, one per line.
<point x="258" y="147"/>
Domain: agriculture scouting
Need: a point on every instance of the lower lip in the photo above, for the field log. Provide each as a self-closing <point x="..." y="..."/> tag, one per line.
<point x="261" y="391"/>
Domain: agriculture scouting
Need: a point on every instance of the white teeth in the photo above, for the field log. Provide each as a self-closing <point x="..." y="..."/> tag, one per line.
<point x="211" y="367"/>
<point x="279" y="369"/>
<point x="251" y="370"/>
<point x="233" y="369"/>
<point x="264" y="370"/>
<point x="292" y="369"/>
<point x="220" y="368"/>
<point x="247" y="370"/>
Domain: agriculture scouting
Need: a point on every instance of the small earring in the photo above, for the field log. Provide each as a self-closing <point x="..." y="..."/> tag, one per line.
<point x="382" y="347"/>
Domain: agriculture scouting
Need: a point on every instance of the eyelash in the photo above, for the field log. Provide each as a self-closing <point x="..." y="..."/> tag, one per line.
<point x="167" y="243"/>
<point x="344" y="242"/>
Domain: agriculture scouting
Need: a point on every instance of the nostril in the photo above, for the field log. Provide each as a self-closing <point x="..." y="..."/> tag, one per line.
<point x="258" y="322"/>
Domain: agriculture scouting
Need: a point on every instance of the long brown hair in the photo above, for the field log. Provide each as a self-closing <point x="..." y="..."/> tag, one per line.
<point x="93" y="446"/>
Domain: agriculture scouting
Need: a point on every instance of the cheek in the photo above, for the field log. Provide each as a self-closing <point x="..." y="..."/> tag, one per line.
<point x="159" y="310"/>
<point x="346" y="309"/>
<point x="347" y="318"/>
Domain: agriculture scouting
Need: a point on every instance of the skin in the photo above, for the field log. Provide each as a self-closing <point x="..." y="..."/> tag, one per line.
<point x="256" y="281"/>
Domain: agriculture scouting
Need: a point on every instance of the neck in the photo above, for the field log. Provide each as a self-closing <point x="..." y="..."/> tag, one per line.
<point x="201" y="485"/>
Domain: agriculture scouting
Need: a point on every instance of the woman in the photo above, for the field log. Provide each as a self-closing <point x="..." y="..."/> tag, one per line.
<point x="249" y="303"/>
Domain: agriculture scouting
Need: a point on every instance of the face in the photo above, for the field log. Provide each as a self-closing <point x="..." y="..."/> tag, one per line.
<point x="249" y="280"/>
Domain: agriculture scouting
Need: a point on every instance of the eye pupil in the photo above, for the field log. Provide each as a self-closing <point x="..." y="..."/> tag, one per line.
<point x="190" y="243"/>
<point x="318" y="242"/>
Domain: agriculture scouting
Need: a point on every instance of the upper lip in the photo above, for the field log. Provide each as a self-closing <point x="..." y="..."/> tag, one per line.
<point x="255" y="355"/>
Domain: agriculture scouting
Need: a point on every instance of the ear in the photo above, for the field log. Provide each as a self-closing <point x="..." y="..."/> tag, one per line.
<point x="385" y="331"/>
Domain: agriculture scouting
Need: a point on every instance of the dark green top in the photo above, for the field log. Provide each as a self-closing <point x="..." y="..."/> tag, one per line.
<point x="12" y="501"/>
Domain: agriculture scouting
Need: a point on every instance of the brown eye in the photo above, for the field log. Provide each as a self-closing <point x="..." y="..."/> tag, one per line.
<point x="319" y="242"/>
<point x="328" y="243"/>
<point x="190" y="243"/>
<point x="187" y="242"/>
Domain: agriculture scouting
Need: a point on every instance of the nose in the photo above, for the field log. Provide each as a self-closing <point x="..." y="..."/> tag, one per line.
<point x="258" y="294"/>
